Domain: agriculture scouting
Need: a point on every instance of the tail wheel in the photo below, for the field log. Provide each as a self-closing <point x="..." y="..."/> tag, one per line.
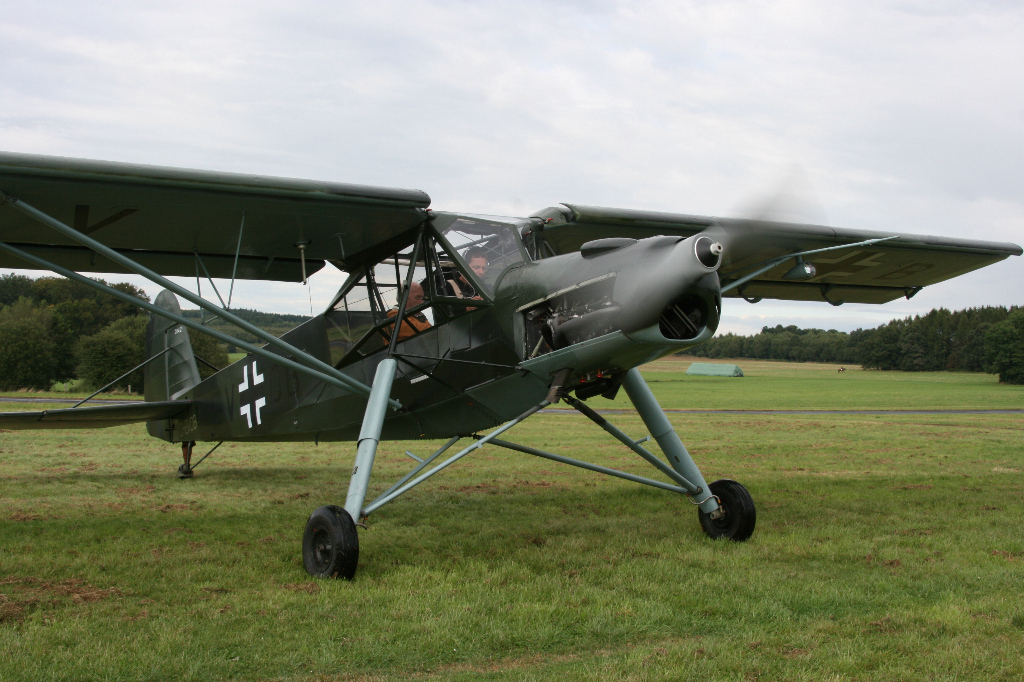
<point x="330" y="544"/>
<point x="739" y="516"/>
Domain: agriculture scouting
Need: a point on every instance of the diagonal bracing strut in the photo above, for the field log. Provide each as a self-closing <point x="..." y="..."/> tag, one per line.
<point x="73" y="234"/>
<point x="128" y="298"/>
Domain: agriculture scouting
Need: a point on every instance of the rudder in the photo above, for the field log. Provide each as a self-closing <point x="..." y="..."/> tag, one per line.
<point x="176" y="371"/>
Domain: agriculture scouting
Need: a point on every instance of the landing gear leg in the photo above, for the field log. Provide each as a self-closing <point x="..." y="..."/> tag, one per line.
<point x="330" y="545"/>
<point x="185" y="470"/>
<point x="725" y="507"/>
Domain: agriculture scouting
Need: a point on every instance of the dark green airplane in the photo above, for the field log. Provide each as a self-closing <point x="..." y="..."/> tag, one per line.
<point x="449" y="325"/>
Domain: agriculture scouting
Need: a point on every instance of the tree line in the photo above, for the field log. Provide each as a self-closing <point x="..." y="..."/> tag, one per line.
<point x="54" y="329"/>
<point x="272" y="323"/>
<point x="986" y="339"/>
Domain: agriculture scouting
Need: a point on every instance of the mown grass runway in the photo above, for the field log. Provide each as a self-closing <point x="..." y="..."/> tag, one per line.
<point x="887" y="547"/>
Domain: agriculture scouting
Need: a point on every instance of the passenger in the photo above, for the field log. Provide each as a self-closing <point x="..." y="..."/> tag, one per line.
<point x="458" y="286"/>
<point x="417" y="322"/>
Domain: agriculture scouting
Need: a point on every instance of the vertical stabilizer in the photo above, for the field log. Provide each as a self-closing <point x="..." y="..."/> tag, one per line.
<point x="171" y="375"/>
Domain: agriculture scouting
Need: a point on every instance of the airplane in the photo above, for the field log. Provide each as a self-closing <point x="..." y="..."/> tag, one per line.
<point x="448" y="326"/>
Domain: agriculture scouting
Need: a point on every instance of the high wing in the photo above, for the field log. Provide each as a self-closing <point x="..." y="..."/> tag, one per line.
<point x="192" y="222"/>
<point x="875" y="273"/>
<point x="93" y="417"/>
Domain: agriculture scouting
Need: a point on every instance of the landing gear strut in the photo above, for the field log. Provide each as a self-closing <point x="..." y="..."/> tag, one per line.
<point x="185" y="470"/>
<point x="330" y="545"/>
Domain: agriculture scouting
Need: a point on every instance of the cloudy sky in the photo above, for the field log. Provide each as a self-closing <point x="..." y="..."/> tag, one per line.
<point x="904" y="115"/>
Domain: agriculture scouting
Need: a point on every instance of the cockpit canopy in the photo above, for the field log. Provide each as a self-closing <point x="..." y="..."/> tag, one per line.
<point x="483" y="246"/>
<point x="450" y="268"/>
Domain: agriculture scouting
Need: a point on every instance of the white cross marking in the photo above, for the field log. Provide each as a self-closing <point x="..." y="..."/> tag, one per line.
<point x="260" y="403"/>
<point x="246" y="410"/>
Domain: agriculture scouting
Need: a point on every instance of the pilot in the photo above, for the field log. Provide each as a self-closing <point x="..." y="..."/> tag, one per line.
<point x="458" y="286"/>
<point x="417" y="322"/>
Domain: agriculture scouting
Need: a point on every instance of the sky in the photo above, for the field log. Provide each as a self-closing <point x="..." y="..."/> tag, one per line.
<point x="902" y="115"/>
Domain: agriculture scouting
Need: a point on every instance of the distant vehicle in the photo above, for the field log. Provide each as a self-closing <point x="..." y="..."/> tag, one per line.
<point x="448" y="324"/>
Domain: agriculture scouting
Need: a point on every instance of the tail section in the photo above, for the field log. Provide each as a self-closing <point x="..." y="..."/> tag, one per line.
<point x="174" y="373"/>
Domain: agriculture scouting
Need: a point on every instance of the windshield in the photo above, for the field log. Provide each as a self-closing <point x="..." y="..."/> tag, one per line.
<point x="485" y="248"/>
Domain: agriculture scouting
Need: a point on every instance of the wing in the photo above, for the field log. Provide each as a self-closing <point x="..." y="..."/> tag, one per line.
<point x="93" y="417"/>
<point x="861" y="274"/>
<point x="190" y="222"/>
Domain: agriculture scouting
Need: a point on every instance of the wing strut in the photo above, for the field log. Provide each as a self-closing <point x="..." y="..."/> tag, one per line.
<point x="234" y="269"/>
<point x="306" y="359"/>
<point x="139" y="366"/>
<point x="248" y="347"/>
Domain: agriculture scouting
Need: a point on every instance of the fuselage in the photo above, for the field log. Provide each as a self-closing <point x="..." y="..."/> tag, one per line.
<point x="611" y="306"/>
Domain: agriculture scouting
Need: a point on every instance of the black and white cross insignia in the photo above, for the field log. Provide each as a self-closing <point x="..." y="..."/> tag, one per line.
<point x="246" y="410"/>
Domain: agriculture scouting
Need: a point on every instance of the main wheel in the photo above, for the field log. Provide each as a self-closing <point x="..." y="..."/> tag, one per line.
<point x="737" y="521"/>
<point x="330" y="545"/>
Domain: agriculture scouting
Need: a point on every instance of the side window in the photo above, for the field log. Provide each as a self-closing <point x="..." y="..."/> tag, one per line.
<point x="363" y="316"/>
<point x="485" y="249"/>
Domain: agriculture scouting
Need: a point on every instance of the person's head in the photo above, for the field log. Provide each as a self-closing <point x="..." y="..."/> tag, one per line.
<point x="415" y="295"/>
<point x="477" y="260"/>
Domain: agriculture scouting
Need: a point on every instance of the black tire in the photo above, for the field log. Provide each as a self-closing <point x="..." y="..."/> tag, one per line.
<point x="330" y="545"/>
<point x="740" y="515"/>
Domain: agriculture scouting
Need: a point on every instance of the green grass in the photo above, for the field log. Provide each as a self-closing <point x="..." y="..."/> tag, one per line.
<point x="771" y="385"/>
<point x="888" y="547"/>
<point x="72" y="394"/>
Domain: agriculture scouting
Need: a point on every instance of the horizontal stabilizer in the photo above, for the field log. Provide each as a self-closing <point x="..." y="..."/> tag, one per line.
<point x="93" y="417"/>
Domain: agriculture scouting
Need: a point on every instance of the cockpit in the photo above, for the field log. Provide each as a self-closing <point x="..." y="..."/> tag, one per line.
<point x="483" y="246"/>
<point x="451" y="269"/>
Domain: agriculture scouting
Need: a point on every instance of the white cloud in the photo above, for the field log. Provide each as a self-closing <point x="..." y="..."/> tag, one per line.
<point x="901" y="115"/>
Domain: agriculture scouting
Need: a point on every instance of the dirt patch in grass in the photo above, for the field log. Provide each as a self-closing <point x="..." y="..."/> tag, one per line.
<point x="308" y="588"/>
<point x="176" y="507"/>
<point x="20" y="596"/>
<point x="136" y="491"/>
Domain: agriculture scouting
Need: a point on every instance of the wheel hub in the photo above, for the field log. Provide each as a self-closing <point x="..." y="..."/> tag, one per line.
<point x="323" y="549"/>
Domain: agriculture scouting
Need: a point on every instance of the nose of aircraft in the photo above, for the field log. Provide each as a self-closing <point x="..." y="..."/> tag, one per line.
<point x="673" y="293"/>
<point x="661" y="290"/>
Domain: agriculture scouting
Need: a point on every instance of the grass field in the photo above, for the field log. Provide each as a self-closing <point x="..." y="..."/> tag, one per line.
<point x="888" y="547"/>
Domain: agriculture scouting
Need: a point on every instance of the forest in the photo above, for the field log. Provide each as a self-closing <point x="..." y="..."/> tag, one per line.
<point x="986" y="339"/>
<point x="55" y="330"/>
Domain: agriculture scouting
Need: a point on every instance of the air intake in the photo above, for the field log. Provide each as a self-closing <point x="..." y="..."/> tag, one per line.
<point x="684" y="318"/>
